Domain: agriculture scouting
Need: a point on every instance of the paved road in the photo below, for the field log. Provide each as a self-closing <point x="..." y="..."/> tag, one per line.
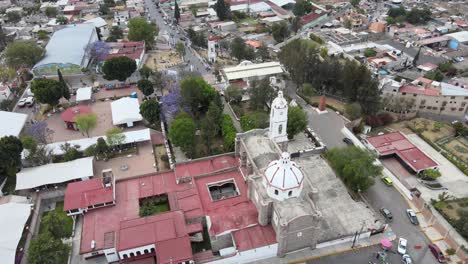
<point x="361" y="256"/>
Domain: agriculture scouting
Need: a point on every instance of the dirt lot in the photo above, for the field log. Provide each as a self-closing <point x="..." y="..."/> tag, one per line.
<point x="340" y="106"/>
<point x="159" y="151"/>
<point x="426" y="125"/>
<point x="162" y="60"/>
<point x="451" y="207"/>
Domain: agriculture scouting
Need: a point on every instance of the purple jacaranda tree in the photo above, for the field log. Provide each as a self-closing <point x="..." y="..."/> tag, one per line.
<point x="40" y="131"/>
<point x="171" y="104"/>
<point x="98" y="50"/>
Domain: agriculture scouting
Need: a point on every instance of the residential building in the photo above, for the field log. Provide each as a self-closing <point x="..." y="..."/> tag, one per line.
<point x="134" y="50"/>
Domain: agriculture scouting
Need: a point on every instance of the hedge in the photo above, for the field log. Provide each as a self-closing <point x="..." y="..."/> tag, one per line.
<point x="229" y="132"/>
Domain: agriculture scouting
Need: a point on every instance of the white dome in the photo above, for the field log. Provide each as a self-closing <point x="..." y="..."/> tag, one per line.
<point x="279" y="102"/>
<point x="283" y="174"/>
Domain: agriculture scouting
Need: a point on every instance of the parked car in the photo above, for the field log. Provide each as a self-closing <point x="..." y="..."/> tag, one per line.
<point x="412" y="216"/>
<point x="22" y="102"/>
<point x="458" y="59"/>
<point x="347" y="141"/>
<point x="386" y="213"/>
<point x="387" y="180"/>
<point x="406" y="259"/>
<point x="30" y="101"/>
<point x="402" y="243"/>
<point x="438" y="254"/>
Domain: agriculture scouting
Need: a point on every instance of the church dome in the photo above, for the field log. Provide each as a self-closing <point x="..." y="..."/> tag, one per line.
<point x="284" y="174"/>
<point x="279" y="102"/>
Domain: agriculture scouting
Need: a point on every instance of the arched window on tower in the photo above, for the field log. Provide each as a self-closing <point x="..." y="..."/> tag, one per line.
<point x="290" y="193"/>
<point x="276" y="192"/>
<point x="280" y="129"/>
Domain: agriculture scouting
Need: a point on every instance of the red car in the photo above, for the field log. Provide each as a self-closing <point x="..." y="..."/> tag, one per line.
<point x="438" y="254"/>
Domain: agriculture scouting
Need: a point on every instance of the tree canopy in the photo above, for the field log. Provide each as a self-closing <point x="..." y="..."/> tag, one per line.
<point x="54" y="222"/>
<point x="150" y="110"/>
<point x="182" y="133"/>
<point x="280" y="31"/>
<point x="86" y="122"/>
<point x="355" y="166"/>
<point x="254" y="120"/>
<point x="51" y="11"/>
<point x="196" y="94"/>
<point x="353" y="110"/>
<point x="23" y="54"/>
<point x="176" y="12"/>
<point x="145" y="86"/>
<point x="118" y="68"/>
<point x="47" y="91"/>
<point x="297" y="121"/>
<point x="302" y="8"/>
<point x="115" y="136"/>
<point x="115" y="33"/>
<point x="240" y="50"/>
<point x="10" y="155"/>
<point x="47" y="249"/>
<point x="139" y="29"/>
<point x="223" y="10"/>
<point x="261" y="94"/>
<point x="233" y="93"/>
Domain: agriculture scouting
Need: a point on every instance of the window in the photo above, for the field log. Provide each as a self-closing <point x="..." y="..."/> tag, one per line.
<point x="290" y="193"/>
<point x="132" y="254"/>
<point x="280" y="129"/>
<point x="463" y="104"/>
<point x="452" y="97"/>
<point x="460" y="109"/>
<point x="434" y="108"/>
<point x="403" y="93"/>
<point x="125" y="256"/>
<point x="466" y="97"/>
<point x="145" y="251"/>
<point x="276" y="192"/>
<point x="138" y="253"/>
<point x="414" y="95"/>
<point x="223" y="190"/>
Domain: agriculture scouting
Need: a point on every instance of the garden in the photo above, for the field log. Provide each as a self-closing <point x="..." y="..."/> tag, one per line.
<point x="455" y="212"/>
<point x="154" y="205"/>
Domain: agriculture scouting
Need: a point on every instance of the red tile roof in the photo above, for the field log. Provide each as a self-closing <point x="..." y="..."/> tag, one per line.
<point x="254" y="237"/>
<point x="419" y="90"/>
<point x="71" y="113"/>
<point x="129" y="49"/>
<point x="313" y="16"/>
<point x="201" y="167"/>
<point x="397" y="144"/>
<point x="87" y="193"/>
<point x="277" y="9"/>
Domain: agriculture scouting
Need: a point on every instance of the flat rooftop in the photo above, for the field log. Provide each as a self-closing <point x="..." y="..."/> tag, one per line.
<point x="87" y="193"/>
<point x="397" y="144"/>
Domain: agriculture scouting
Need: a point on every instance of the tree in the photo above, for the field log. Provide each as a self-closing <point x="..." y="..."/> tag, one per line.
<point x="460" y="129"/>
<point x="261" y="94"/>
<point x="61" y="20"/>
<point x="297" y="121"/>
<point x="176" y="12"/>
<point x="355" y="3"/>
<point x="115" y="136"/>
<point x="353" y="110"/>
<point x="254" y="120"/>
<point x="431" y="174"/>
<point x="115" y="33"/>
<point x="65" y="90"/>
<point x="39" y="131"/>
<point x="238" y="48"/>
<point x="180" y="48"/>
<point x="98" y="50"/>
<point x="418" y="16"/>
<point x="355" y="166"/>
<point x="13" y="17"/>
<point x="118" y="68"/>
<point x="308" y="90"/>
<point x="140" y="30"/>
<point x="6" y="73"/>
<point x="150" y="110"/>
<point x="104" y="9"/>
<point x="51" y="11"/>
<point x="196" y="94"/>
<point x="436" y="75"/>
<point x="42" y="35"/>
<point x="370" y="52"/>
<point x="145" y="72"/>
<point x="146" y="87"/>
<point x="47" y="91"/>
<point x="54" y="221"/>
<point x="302" y="7"/>
<point x="296" y="24"/>
<point x="10" y="155"/>
<point x="86" y="122"/>
<point x="396" y="12"/>
<point x="182" y="133"/>
<point x="280" y="31"/>
<point x="23" y="54"/>
<point x="234" y="93"/>
<point x="211" y="124"/>
<point x="223" y="10"/>
<point x="47" y="249"/>
<point x="263" y="53"/>
<point x="101" y="147"/>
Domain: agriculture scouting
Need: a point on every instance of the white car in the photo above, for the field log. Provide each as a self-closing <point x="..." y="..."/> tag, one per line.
<point x="22" y="102"/>
<point x="406" y="259"/>
<point x="402" y="246"/>
<point x="29" y="101"/>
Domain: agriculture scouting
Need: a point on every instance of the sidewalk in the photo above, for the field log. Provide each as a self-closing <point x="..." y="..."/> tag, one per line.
<point x="304" y="255"/>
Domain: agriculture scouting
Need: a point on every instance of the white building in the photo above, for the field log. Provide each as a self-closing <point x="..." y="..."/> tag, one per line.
<point x="279" y="119"/>
<point x="12" y="123"/>
<point x="212" y="45"/>
<point x="126" y="111"/>
<point x="5" y="92"/>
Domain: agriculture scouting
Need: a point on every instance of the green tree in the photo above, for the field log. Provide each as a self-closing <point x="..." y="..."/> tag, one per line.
<point x="261" y="94"/>
<point x="139" y="29"/>
<point x="47" y="91"/>
<point x="51" y="11"/>
<point x="418" y="16"/>
<point x="460" y="129"/>
<point x="431" y="174"/>
<point x="296" y="24"/>
<point x="118" y="68"/>
<point x="150" y="110"/>
<point x="115" y="136"/>
<point x="354" y="166"/>
<point x="254" y="120"/>
<point x="297" y="121"/>
<point x="234" y="93"/>
<point x="13" y="17"/>
<point x="223" y="10"/>
<point x="10" y="155"/>
<point x="6" y="73"/>
<point x="180" y="48"/>
<point x="308" y="90"/>
<point x="238" y="48"/>
<point x="263" y="53"/>
<point x="369" y="52"/>
<point x="47" y="249"/>
<point x="61" y="20"/>
<point x="101" y="147"/>
<point x="54" y="221"/>
<point x="280" y="31"/>
<point x="29" y="143"/>
<point x="104" y="9"/>
<point x="182" y="133"/>
<point x="115" y="33"/>
<point x="355" y="3"/>
<point x="211" y="124"/>
<point x="23" y="54"/>
<point x="229" y="132"/>
<point x="146" y="72"/>
<point x="196" y="94"/>
<point x="436" y="75"/>
<point x="146" y="87"/>
<point x="302" y="7"/>
<point x="65" y="90"/>
<point x="86" y="122"/>
<point x="353" y="110"/>
<point x="42" y="35"/>
<point x="176" y="12"/>
<point x="396" y="12"/>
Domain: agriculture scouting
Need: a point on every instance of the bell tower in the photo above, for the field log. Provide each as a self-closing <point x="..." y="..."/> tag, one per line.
<point x="278" y="119"/>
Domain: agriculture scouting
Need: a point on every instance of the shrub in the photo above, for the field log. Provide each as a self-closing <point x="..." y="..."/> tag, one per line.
<point x="164" y="158"/>
<point x="229" y="133"/>
<point x="450" y="251"/>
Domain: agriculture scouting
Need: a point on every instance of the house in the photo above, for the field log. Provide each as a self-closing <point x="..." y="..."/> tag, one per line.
<point x="125" y="112"/>
<point x="316" y="15"/>
<point x="15" y="121"/>
<point x="134" y="50"/>
<point x="67" y="51"/>
<point x="5" y="92"/>
<point x="70" y="114"/>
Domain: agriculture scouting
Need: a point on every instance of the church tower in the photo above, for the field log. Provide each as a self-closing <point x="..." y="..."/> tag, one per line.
<point x="279" y="119"/>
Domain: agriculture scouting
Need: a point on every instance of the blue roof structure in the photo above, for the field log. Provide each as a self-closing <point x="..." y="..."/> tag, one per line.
<point x="452" y="90"/>
<point x="67" y="45"/>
